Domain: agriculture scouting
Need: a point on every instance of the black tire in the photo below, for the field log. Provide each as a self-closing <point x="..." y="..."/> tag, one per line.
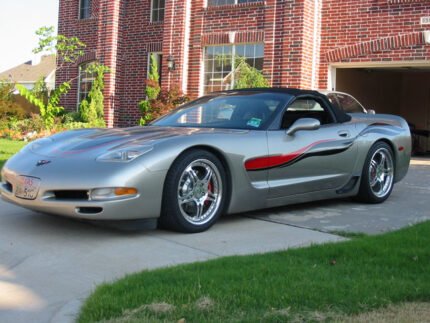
<point x="189" y="192"/>
<point x="377" y="178"/>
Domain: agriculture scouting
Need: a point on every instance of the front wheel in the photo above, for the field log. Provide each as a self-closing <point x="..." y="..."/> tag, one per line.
<point x="194" y="193"/>
<point x="377" y="178"/>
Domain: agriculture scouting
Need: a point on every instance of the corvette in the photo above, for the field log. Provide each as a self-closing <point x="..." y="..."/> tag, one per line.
<point x="227" y="152"/>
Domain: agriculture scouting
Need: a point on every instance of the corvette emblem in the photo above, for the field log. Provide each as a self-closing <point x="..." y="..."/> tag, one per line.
<point x="43" y="162"/>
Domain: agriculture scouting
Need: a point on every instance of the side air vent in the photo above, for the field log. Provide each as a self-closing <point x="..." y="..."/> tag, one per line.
<point x="349" y="186"/>
<point x="89" y="210"/>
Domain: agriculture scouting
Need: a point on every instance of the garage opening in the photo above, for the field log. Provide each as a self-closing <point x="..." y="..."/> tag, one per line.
<point x="404" y="91"/>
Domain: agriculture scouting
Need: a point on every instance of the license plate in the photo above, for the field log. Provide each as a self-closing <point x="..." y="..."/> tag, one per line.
<point x="27" y="187"/>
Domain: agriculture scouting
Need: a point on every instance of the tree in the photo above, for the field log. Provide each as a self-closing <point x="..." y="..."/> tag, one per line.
<point x="49" y="109"/>
<point x="91" y="109"/>
<point x="68" y="51"/>
<point x="247" y="76"/>
<point x="242" y="75"/>
<point x="8" y="106"/>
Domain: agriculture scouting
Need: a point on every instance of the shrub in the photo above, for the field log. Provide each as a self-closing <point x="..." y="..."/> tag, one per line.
<point x="167" y="101"/>
<point x="91" y="109"/>
<point x="152" y="91"/>
<point x="8" y="106"/>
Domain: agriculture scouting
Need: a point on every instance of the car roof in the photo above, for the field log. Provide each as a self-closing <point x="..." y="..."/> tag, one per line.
<point x="290" y="91"/>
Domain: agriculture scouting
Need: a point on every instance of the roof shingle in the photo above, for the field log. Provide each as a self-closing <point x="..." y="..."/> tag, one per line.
<point x="28" y="73"/>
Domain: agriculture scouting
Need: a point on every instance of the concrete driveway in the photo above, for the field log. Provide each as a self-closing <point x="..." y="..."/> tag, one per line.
<point x="407" y="205"/>
<point x="48" y="265"/>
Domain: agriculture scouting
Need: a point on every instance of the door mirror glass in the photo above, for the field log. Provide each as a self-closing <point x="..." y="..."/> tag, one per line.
<point x="303" y="124"/>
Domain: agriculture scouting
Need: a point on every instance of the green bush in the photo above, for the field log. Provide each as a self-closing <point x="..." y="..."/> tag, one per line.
<point x="91" y="108"/>
<point x="8" y="106"/>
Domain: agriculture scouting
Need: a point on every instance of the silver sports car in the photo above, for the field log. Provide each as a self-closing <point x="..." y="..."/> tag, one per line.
<point x="226" y="152"/>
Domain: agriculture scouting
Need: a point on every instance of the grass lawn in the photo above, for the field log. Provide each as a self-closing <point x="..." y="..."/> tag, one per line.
<point x="8" y="148"/>
<point x="326" y="281"/>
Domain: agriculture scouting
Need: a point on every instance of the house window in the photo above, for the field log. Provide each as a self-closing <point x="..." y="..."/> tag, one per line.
<point x="86" y="80"/>
<point x="157" y="10"/>
<point x="220" y="66"/>
<point x="159" y="61"/>
<point x="224" y="2"/>
<point x="85" y="7"/>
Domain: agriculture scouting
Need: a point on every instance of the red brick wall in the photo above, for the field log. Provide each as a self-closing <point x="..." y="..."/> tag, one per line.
<point x="120" y="35"/>
<point x="138" y="37"/>
<point x="86" y="30"/>
<point x="371" y="31"/>
<point x="280" y="25"/>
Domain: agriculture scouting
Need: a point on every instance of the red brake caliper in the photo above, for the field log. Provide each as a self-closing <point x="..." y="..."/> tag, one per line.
<point x="210" y="190"/>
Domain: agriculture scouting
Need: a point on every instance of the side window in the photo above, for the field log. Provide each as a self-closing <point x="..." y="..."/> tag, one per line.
<point x="349" y="104"/>
<point x="305" y="108"/>
<point x="333" y="100"/>
<point x="305" y="105"/>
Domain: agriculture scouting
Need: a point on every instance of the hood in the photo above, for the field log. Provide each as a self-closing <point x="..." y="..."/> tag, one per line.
<point x="96" y="141"/>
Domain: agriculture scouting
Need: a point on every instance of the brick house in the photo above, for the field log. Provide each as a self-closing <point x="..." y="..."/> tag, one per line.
<point x="378" y="50"/>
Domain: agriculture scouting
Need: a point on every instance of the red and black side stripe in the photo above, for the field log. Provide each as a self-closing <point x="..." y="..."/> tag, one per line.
<point x="314" y="149"/>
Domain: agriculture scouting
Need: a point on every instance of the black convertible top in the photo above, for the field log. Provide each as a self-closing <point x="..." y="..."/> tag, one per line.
<point x="340" y="115"/>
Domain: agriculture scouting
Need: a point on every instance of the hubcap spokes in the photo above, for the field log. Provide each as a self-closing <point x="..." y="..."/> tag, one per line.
<point x="199" y="192"/>
<point x="381" y="172"/>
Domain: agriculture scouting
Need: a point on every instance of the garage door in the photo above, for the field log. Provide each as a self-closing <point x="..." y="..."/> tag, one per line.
<point x="403" y="91"/>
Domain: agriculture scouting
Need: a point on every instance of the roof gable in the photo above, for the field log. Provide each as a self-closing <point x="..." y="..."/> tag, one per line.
<point x="28" y="73"/>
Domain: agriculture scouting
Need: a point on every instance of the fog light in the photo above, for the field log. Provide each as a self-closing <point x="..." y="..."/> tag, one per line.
<point x="112" y="193"/>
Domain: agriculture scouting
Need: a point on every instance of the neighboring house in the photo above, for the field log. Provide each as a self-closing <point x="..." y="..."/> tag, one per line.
<point x="378" y="50"/>
<point x="28" y="73"/>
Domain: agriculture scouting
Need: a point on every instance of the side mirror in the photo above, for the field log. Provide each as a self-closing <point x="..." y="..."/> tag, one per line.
<point x="303" y="124"/>
<point x="371" y="111"/>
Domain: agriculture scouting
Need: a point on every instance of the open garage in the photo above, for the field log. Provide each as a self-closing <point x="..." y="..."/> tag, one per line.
<point x="401" y="90"/>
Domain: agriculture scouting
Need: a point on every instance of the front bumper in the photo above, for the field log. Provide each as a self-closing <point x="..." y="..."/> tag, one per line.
<point x="64" y="175"/>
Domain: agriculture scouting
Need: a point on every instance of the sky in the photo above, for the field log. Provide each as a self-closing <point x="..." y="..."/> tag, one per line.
<point x="19" y="19"/>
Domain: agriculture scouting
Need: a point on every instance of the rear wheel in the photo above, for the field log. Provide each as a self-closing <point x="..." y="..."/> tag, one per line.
<point x="194" y="193"/>
<point x="377" y="179"/>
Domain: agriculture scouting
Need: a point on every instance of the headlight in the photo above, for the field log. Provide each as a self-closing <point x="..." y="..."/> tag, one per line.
<point x="125" y="155"/>
<point x="36" y="145"/>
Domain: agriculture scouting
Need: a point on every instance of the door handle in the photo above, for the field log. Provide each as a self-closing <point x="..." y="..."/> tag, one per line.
<point x="344" y="133"/>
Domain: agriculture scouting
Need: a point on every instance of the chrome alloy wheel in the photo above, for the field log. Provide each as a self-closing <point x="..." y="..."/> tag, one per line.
<point x="200" y="191"/>
<point x="381" y="172"/>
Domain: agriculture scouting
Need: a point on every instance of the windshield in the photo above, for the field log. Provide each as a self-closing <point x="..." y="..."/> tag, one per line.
<point x="237" y="110"/>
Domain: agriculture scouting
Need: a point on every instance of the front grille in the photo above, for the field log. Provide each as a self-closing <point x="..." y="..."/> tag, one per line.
<point x="71" y="195"/>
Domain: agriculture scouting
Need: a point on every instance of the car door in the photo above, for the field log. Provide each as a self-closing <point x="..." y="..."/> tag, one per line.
<point x="310" y="160"/>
